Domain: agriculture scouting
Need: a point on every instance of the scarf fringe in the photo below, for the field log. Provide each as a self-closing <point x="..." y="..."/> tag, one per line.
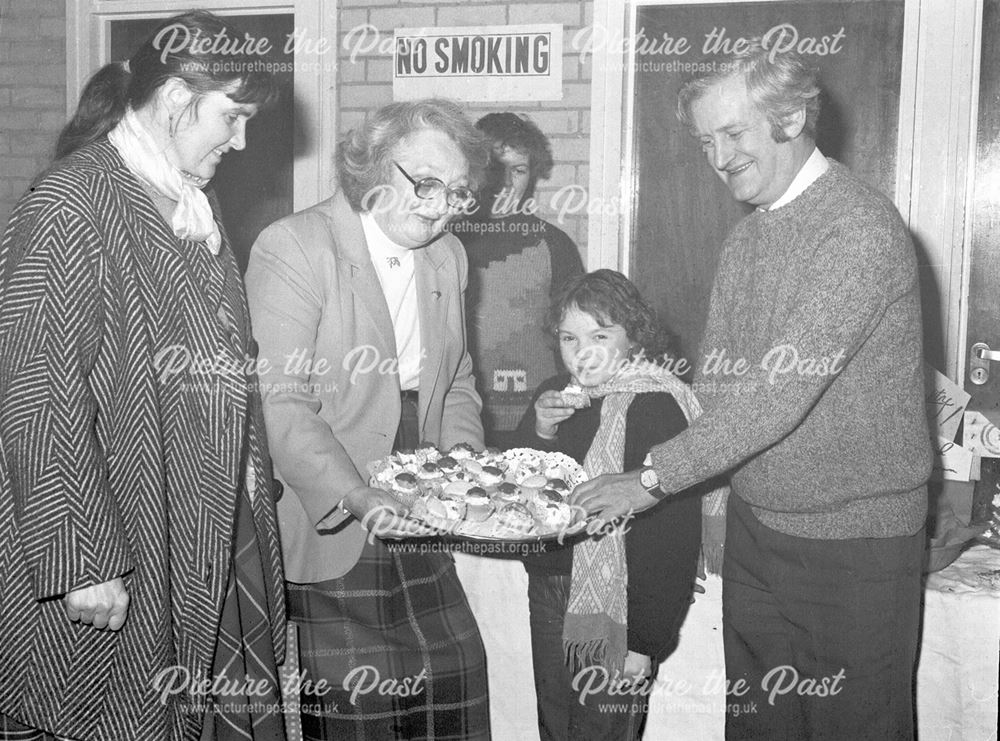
<point x="606" y="652"/>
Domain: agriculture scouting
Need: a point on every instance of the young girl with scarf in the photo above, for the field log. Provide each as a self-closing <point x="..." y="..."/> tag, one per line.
<point x="606" y="609"/>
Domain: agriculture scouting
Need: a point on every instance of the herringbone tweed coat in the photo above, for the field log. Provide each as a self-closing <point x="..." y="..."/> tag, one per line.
<point x="115" y="457"/>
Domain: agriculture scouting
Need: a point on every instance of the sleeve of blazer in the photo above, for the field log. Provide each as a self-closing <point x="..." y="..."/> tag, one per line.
<point x="286" y="300"/>
<point x="462" y="406"/>
<point x="51" y="319"/>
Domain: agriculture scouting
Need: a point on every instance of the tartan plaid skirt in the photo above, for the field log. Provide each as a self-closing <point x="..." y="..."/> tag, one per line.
<point x="244" y="649"/>
<point x="398" y="648"/>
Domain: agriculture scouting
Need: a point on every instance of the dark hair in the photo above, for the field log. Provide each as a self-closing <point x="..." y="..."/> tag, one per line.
<point x="779" y="83"/>
<point x="203" y="67"/>
<point x="364" y="157"/>
<point x="519" y="133"/>
<point x="611" y="298"/>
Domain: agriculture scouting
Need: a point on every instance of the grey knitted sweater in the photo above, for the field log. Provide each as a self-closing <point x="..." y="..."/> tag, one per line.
<point x="810" y="370"/>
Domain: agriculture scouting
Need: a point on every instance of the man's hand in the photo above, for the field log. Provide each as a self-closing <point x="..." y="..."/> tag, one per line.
<point x="550" y="412"/>
<point x="383" y="515"/>
<point x="612" y="495"/>
<point x="102" y="605"/>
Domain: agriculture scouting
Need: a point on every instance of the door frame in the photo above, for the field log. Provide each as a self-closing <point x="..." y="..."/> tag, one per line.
<point x="88" y="47"/>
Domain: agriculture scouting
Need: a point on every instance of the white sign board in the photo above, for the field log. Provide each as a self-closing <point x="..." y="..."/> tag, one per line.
<point x="479" y="63"/>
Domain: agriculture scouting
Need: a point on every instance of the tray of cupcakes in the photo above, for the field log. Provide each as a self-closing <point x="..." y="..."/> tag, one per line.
<point x="514" y="495"/>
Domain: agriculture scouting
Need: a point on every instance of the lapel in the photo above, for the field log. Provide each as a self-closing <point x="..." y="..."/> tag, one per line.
<point x="188" y="291"/>
<point x="156" y="247"/>
<point x="349" y="242"/>
<point x="433" y="297"/>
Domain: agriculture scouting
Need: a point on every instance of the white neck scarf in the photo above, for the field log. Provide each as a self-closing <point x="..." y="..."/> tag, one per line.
<point x="193" y="218"/>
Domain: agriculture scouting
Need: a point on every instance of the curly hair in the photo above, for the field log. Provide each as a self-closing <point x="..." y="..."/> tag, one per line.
<point x="611" y="298"/>
<point x="364" y="156"/>
<point x="520" y="133"/>
<point x="779" y="83"/>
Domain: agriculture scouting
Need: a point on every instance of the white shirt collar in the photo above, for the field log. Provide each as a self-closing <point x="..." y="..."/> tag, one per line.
<point x="381" y="248"/>
<point x="810" y="171"/>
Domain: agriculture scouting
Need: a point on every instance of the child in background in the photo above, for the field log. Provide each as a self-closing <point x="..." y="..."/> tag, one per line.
<point x="516" y="262"/>
<point x="609" y="606"/>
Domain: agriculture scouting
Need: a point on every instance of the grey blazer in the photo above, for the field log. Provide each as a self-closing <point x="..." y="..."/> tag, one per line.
<point x="328" y="372"/>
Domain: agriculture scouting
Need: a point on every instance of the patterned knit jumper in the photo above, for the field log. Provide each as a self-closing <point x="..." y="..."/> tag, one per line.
<point x="515" y="263"/>
<point x="824" y="428"/>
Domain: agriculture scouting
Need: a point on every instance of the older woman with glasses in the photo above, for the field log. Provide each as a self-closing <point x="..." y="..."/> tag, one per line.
<point x="357" y="306"/>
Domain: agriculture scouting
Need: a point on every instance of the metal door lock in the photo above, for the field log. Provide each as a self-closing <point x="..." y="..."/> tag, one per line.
<point x="979" y="362"/>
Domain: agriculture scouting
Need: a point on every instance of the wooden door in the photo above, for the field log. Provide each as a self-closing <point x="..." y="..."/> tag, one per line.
<point x="982" y="377"/>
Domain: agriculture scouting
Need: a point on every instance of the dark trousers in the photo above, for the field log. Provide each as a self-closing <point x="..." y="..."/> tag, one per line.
<point x="603" y="717"/>
<point x="820" y="635"/>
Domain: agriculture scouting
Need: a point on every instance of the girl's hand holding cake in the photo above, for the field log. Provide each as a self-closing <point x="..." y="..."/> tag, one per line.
<point x="551" y="409"/>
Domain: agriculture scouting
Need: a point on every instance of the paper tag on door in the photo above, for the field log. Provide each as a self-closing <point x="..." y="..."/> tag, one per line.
<point x="952" y="461"/>
<point x="981" y="436"/>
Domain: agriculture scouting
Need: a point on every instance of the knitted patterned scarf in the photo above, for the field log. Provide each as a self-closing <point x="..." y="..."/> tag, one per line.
<point x="595" y="630"/>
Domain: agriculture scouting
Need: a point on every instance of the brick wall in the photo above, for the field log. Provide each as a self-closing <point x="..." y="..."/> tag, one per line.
<point x="33" y="84"/>
<point x="366" y="81"/>
<point x="32" y="91"/>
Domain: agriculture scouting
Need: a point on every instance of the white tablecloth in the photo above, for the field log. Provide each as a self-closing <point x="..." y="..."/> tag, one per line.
<point x="956" y="678"/>
<point x="957" y="671"/>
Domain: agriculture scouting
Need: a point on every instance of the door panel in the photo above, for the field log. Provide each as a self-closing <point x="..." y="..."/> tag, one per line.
<point x="984" y="275"/>
<point x="682" y="211"/>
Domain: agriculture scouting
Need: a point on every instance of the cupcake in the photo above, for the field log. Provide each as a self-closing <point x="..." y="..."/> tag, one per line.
<point x="559" y="486"/>
<point x="534" y="483"/>
<point x="386" y="475"/>
<point x="427" y="453"/>
<point x="516" y="517"/>
<point x="574" y="396"/>
<point x="472" y="467"/>
<point x="430" y="472"/>
<point x="445" y="509"/>
<point x="553" y="516"/>
<point x="405" y="455"/>
<point x="508" y="493"/>
<point x="406" y="484"/>
<point x="448" y="465"/>
<point x="490" y="476"/>
<point x="478" y="506"/>
<point x="461" y="451"/>
<point x="490" y="456"/>
<point x="550" y="495"/>
<point x="457" y="489"/>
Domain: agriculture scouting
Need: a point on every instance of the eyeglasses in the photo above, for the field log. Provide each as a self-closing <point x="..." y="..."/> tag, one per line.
<point x="427" y="188"/>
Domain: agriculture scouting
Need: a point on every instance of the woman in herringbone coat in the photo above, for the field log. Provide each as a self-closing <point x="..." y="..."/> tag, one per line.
<point x="140" y="573"/>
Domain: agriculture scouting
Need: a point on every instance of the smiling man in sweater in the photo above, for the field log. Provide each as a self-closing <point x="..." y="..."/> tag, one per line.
<point x="824" y="435"/>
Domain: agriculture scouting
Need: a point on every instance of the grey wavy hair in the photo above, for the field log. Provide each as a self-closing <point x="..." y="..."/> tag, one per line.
<point x="364" y="157"/>
<point x="780" y="84"/>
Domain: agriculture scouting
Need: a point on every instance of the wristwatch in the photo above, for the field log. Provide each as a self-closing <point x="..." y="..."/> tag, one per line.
<point x="651" y="482"/>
